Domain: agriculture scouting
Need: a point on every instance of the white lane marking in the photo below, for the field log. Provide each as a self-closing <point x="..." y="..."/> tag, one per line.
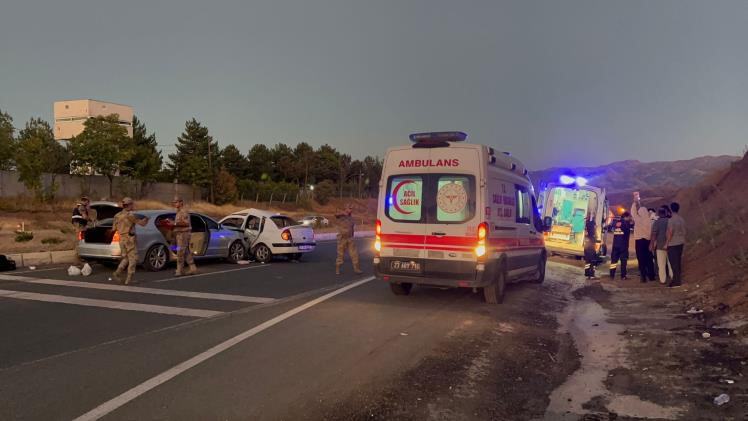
<point x="210" y="273"/>
<point x="142" y="290"/>
<point x="39" y="270"/>
<point x="116" y="305"/>
<point x="180" y="368"/>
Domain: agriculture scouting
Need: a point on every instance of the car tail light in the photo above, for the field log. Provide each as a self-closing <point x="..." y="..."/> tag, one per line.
<point x="286" y="235"/>
<point x="378" y="236"/>
<point x="80" y="235"/>
<point x="115" y="237"/>
<point x="480" y="249"/>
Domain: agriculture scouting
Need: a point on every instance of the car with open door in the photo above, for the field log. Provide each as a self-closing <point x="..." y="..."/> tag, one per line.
<point x="155" y="240"/>
<point x="271" y="234"/>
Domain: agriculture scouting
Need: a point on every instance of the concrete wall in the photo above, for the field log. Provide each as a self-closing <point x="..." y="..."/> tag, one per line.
<point x="97" y="187"/>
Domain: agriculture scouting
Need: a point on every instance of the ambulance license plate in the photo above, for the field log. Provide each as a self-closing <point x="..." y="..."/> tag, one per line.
<point x="405" y="266"/>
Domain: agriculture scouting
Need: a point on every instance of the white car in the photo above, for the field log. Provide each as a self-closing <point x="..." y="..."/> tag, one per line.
<point x="270" y="234"/>
<point x="314" y="220"/>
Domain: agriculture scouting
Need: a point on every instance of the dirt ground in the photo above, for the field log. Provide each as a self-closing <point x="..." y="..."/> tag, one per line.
<point x="573" y="349"/>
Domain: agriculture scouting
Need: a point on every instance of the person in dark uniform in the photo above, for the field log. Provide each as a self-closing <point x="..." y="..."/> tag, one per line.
<point x="590" y="240"/>
<point x="620" y="252"/>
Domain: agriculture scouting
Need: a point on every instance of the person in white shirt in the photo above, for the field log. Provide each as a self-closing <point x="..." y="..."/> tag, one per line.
<point x="642" y="233"/>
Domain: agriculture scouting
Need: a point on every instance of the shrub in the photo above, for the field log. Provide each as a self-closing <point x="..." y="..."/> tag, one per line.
<point x="24" y="236"/>
<point x="324" y="191"/>
<point x="51" y="240"/>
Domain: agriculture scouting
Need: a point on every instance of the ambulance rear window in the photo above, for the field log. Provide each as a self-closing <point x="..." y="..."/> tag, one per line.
<point x="431" y="198"/>
<point x="405" y="198"/>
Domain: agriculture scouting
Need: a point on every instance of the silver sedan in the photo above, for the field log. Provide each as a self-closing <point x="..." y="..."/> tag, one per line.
<point x="155" y="240"/>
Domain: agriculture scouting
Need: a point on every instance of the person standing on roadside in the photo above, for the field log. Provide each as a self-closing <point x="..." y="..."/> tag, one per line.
<point x="620" y="251"/>
<point x="642" y="231"/>
<point x="182" y="234"/>
<point x="657" y="245"/>
<point x="590" y="240"/>
<point x="124" y="224"/>
<point x="676" y="239"/>
<point x="346" y="224"/>
<point x="84" y="217"/>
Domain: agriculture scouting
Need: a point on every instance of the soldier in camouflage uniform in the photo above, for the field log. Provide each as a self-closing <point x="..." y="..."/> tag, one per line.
<point x="124" y="223"/>
<point x="83" y="218"/>
<point x="345" y="224"/>
<point x="182" y="232"/>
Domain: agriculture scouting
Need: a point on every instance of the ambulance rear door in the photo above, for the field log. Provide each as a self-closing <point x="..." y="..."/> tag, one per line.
<point x="404" y="213"/>
<point x="453" y="192"/>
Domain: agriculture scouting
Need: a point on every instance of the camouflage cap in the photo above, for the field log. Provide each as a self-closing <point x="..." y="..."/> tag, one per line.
<point x="126" y="201"/>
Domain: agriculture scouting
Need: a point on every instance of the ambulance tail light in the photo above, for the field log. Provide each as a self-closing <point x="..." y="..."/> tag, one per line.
<point x="480" y="249"/>
<point x="286" y="235"/>
<point x="378" y="236"/>
<point x="115" y="237"/>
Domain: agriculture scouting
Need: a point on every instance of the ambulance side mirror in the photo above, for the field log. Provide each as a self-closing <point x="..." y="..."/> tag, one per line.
<point x="547" y="223"/>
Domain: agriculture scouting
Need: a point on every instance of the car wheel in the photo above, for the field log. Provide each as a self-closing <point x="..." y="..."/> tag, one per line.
<point x="156" y="258"/>
<point x="237" y="252"/>
<point x="401" y="289"/>
<point x="263" y="253"/>
<point x="541" y="271"/>
<point x="494" y="293"/>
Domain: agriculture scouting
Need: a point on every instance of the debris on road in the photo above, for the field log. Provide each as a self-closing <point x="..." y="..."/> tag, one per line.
<point x="694" y="310"/>
<point x="403" y="334"/>
<point x="706" y="335"/>
<point x="86" y="271"/>
<point x="242" y="262"/>
<point x="32" y="267"/>
<point x="74" y="271"/>
<point x="722" y="399"/>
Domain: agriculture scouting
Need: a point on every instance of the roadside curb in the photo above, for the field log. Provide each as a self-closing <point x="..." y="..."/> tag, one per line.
<point x="43" y="258"/>
<point x="330" y="236"/>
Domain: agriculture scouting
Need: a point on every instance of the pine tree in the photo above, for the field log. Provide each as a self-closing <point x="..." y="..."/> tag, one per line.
<point x="197" y="157"/>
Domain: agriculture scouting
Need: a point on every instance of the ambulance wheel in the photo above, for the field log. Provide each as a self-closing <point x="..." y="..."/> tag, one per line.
<point x="401" y="289"/>
<point x="494" y="293"/>
<point x="541" y="271"/>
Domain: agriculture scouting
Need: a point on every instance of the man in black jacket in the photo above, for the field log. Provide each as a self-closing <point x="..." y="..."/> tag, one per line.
<point x="620" y="252"/>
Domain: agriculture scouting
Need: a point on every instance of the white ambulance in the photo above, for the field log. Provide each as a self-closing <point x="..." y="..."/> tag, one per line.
<point x="458" y="215"/>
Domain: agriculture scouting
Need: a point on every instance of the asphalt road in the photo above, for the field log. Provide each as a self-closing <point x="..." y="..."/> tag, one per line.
<point x="283" y="340"/>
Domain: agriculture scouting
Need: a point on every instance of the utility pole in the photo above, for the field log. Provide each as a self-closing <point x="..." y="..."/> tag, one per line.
<point x="210" y="171"/>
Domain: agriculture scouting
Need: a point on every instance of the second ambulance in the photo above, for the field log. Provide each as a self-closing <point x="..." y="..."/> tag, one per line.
<point x="456" y="214"/>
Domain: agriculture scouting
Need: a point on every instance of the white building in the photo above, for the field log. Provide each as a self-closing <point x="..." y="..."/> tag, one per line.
<point x="70" y="115"/>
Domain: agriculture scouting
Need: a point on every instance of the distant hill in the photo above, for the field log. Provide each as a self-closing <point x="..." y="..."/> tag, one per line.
<point x="653" y="179"/>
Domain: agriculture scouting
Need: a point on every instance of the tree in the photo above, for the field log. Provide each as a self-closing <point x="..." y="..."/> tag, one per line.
<point x="197" y="158"/>
<point x="344" y="168"/>
<point x="103" y="147"/>
<point x="260" y="163"/>
<point x="38" y="152"/>
<point x="234" y="162"/>
<point x="372" y="174"/>
<point x="324" y="191"/>
<point x="146" y="161"/>
<point x="304" y="155"/>
<point x="284" y="163"/>
<point x="7" y="144"/>
<point x="225" y="187"/>
<point x="326" y="163"/>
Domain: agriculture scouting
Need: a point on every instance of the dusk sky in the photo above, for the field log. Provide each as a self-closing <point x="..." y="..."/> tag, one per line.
<point x="557" y="83"/>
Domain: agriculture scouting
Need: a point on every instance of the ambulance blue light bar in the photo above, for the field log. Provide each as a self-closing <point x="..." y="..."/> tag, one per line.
<point x="438" y="137"/>
<point x="569" y="180"/>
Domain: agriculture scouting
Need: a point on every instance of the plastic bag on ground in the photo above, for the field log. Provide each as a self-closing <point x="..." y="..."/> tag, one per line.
<point x="86" y="270"/>
<point x="74" y="271"/>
